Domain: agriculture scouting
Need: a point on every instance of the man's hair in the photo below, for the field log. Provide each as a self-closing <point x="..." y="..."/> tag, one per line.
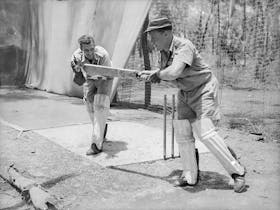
<point x="85" y="39"/>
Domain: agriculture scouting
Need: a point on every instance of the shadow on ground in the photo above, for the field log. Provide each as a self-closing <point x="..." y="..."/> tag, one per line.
<point x="112" y="148"/>
<point x="207" y="179"/>
<point x="50" y="183"/>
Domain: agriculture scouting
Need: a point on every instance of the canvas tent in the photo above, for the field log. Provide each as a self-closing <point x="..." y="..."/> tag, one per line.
<point x="37" y="37"/>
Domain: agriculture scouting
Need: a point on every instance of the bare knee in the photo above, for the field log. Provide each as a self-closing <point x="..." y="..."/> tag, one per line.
<point x="101" y="101"/>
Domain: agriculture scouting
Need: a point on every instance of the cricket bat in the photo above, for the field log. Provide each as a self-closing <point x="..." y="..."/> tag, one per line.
<point x="94" y="70"/>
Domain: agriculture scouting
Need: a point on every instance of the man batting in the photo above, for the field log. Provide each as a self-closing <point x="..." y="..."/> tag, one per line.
<point x="197" y="105"/>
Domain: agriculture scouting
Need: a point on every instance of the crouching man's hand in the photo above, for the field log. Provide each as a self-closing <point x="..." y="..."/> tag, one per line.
<point x="77" y="68"/>
<point x="76" y="65"/>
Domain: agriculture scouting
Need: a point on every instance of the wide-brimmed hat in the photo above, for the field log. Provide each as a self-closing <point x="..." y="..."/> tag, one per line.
<point x="158" y="23"/>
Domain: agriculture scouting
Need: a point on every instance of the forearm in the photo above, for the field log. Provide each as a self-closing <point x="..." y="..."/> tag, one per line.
<point x="173" y="71"/>
<point x="167" y="74"/>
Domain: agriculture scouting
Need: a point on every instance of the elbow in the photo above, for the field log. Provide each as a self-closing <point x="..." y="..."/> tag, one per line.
<point x="171" y="77"/>
<point x="175" y="74"/>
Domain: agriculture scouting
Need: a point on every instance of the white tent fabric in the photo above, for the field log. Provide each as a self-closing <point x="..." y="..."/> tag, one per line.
<point x="56" y="26"/>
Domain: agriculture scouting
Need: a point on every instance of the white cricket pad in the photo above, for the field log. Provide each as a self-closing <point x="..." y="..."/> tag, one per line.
<point x="101" y="106"/>
<point x="206" y="131"/>
<point x="186" y="144"/>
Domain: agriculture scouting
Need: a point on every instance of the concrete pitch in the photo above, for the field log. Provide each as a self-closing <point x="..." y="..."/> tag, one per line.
<point x="127" y="142"/>
<point x="64" y="120"/>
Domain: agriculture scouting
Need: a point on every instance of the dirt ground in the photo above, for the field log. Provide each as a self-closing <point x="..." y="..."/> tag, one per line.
<point x="250" y="125"/>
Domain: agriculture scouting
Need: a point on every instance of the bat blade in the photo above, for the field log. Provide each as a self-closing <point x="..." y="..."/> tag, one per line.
<point x="94" y="70"/>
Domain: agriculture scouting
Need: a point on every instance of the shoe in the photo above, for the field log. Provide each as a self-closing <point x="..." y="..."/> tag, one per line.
<point x="239" y="180"/>
<point x="239" y="183"/>
<point x="182" y="182"/>
<point x="93" y="150"/>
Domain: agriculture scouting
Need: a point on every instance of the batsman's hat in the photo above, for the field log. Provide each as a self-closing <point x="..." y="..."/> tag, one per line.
<point x="158" y="23"/>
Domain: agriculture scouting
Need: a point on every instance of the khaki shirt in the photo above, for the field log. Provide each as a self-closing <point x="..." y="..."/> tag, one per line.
<point x="101" y="58"/>
<point x="196" y="73"/>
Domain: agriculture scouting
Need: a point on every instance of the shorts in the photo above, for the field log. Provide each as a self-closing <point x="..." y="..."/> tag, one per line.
<point x="100" y="86"/>
<point x="200" y="102"/>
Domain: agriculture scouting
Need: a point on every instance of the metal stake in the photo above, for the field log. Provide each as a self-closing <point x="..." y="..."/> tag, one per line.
<point x="164" y="127"/>
<point x="172" y="126"/>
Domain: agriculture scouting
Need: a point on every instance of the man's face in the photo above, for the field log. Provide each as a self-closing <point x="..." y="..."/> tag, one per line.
<point x="88" y="50"/>
<point x="158" y="39"/>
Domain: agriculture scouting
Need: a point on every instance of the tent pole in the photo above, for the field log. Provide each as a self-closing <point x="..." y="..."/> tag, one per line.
<point x="147" y="65"/>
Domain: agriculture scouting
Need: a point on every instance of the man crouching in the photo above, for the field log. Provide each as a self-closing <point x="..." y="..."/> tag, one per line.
<point x="96" y="88"/>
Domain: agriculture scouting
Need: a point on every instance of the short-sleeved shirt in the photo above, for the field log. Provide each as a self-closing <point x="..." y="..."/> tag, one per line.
<point x="101" y="58"/>
<point x="196" y="72"/>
